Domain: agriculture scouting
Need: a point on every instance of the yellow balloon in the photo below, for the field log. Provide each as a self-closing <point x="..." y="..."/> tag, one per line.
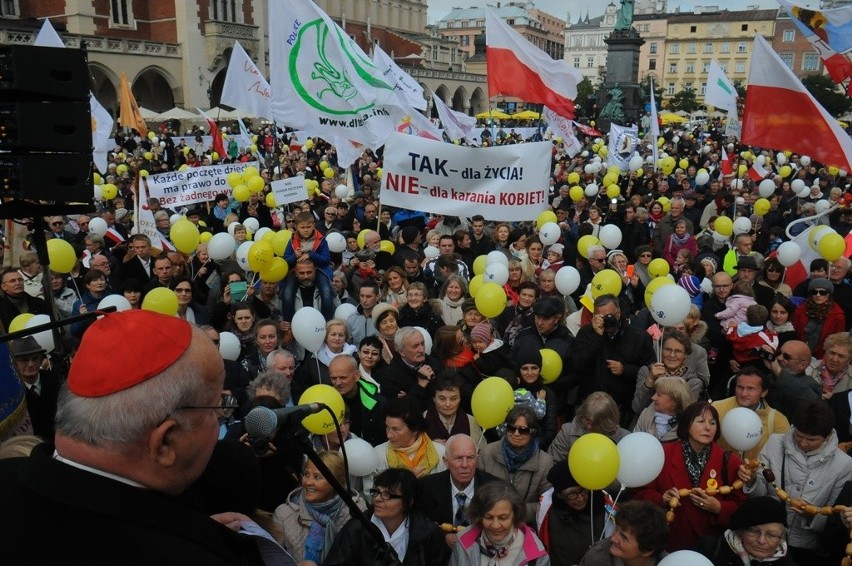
<point x="576" y="193"/>
<point x="658" y="267"/>
<point x="660" y="141"/>
<point x="361" y="235"/>
<point x="492" y="400"/>
<point x="786" y="171"/>
<point x="832" y="246"/>
<point x="551" y="365"/>
<point x="161" y="300"/>
<point x="183" y="167"/>
<point x="97" y="178"/>
<point x="214" y="156"/>
<point x="234" y="179"/>
<point x="202" y="223"/>
<point x="761" y="206"/>
<point x="379" y="172"/>
<point x="19" y="322"/>
<point x="667" y="204"/>
<point x="205" y="237"/>
<point x="280" y="241"/>
<point x="604" y="151"/>
<point x="270" y="200"/>
<point x="241" y="193"/>
<point x="309" y="144"/>
<point x="269" y="235"/>
<point x="479" y="264"/>
<point x="275" y="272"/>
<point x="61" y="255"/>
<point x="613" y="191"/>
<point x="186" y="150"/>
<point x="323" y="165"/>
<point x="152" y="135"/>
<point x="741" y="170"/>
<point x="606" y="282"/>
<point x="387" y="246"/>
<point x="639" y="172"/>
<point x="148" y="155"/>
<point x="653" y="285"/>
<point x="328" y="173"/>
<point x="256" y="184"/>
<point x="260" y="255"/>
<point x="593" y="461"/>
<point x="249" y="172"/>
<point x="184" y="235"/>
<point x="573" y="178"/>
<point x="724" y="226"/>
<point x="322" y="422"/>
<point x="816" y="234"/>
<point x="545" y="217"/>
<point x="584" y="243"/>
<point x="684" y="163"/>
<point x="121" y="169"/>
<point x="476" y="283"/>
<point x="143" y="172"/>
<point x="109" y="191"/>
<point x="833" y="171"/>
<point x="491" y="300"/>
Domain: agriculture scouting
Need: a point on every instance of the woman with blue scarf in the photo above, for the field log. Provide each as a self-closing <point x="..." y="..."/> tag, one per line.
<point x="518" y="459"/>
<point x="314" y="513"/>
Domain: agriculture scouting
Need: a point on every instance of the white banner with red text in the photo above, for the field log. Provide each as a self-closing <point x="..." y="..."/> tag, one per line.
<point x="194" y="184"/>
<point x="507" y="183"/>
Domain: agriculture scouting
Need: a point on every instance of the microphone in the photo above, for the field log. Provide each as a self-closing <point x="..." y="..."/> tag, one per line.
<point x="261" y="422"/>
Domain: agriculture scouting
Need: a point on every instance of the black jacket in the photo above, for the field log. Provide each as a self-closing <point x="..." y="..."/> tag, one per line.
<point x="437" y="499"/>
<point x="8" y="310"/>
<point x="398" y="377"/>
<point x="719" y="552"/>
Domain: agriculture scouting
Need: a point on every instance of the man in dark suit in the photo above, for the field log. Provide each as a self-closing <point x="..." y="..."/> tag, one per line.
<point x="15" y="300"/>
<point x="447" y="494"/>
<point x="138" y="265"/>
<point x="410" y="371"/>
<point x="42" y="386"/>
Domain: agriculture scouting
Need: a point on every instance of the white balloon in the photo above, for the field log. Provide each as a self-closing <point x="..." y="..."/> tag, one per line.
<point x="336" y="242"/>
<point x="496" y="273"/>
<point x="742" y="225"/>
<point x="242" y="255"/>
<point x="589" y="169"/>
<point x="789" y="253"/>
<point x="610" y="236"/>
<point x="780" y="158"/>
<point x="98" y="193"/>
<point x="822" y="205"/>
<point x="362" y="458"/>
<point x="221" y="246"/>
<point x="549" y="233"/>
<point x="496" y="257"/>
<point x="649" y="159"/>
<point x="761" y="159"/>
<point x="641" y="459"/>
<point x="584" y="154"/>
<point x="766" y="187"/>
<point x="308" y="326"/>
<point x="702" y="178"/>
<point x="598" y="140"/>
<point x="567" y="280"/>
<point x="805" y="160"/>
<point x="45" y="337"/>
<point x="162" y="144"/>
<point x="229" y="346"/>
<point x="175" y="218"/>
<point x="233" y="226"/>
<point x="842" y="173"/>
<point x="635" y="162"/>
<point x="427" y="339"/>
<point x="252" y="225"/>
<point x="719" y="238"/>
<point x="706" y="285"/>
<point x="675" y="139"/>
<point x="117" y="301"/>
<point x="591" y="190"/>
<point x="742" y="429"/>
<point x="98" y="225"/>
<point x="258" y="236"/>
<point x="344" y="310"/>
<point x="156" y="140"/>
<point x="431" y="252"/>
<point x="670" y="305"/>
<point x="797" y="185"/>
<point x="597" y="164"/>
<point x="341" y="191"/>
<point x="685" y="558"/>
<point x="804" y="192"/>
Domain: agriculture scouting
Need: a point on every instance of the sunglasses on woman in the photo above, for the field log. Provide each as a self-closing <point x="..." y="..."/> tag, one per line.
<point x="819" y="292"/>
<point x="522" y="430"/>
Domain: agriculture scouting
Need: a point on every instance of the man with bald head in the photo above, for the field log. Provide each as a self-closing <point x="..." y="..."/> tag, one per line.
<point x="719" y="355"/>
<point x="366" y="406"/>
<point x="792" y="384"/>
<point x="447" y="494"/>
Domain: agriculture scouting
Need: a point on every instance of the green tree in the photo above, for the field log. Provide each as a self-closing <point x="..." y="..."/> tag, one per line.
<point x="585" y="91"/>
<point x="828" y="94"/>
<point x="684" y="100"/>
<point x="645" y="88"/>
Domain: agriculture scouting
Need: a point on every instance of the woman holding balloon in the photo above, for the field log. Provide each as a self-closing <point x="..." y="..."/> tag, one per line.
<point x="675" y="349"/>
<point x="531" y="391"/>
<point x="696" y="463"/>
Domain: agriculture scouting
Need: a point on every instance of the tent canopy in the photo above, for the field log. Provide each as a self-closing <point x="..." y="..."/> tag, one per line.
<point x="496" y="114"/>
<point x="179" y="114"/>
<point x="669" y="118"/>
<point x="526" y="115"/>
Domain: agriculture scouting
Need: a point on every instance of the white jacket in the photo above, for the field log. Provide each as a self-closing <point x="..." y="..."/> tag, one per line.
<point x="816" y="476"/>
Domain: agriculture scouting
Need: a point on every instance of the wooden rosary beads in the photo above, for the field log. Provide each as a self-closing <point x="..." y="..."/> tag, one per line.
<point x="712" y="489"/>
<point x="448" y="528"/>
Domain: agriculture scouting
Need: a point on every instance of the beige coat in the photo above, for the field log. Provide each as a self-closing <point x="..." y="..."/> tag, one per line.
<point x="530" y="480"/>
<point x="294" y="521"/>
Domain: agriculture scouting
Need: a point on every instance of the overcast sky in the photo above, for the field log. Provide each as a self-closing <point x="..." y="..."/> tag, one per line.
<point x="440" y="8"/>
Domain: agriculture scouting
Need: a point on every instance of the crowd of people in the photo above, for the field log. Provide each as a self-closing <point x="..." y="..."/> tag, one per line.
<point x="406" y="346"/>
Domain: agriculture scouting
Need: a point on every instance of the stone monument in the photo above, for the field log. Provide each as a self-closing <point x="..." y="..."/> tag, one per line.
<point x="622" y="71"/>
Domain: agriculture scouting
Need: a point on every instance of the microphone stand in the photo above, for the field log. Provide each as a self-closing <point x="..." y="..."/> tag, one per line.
<point x="299" y="437"/>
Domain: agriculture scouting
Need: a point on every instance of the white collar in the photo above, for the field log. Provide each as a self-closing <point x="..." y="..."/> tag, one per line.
<point x="398" y="540"/>
<point x="59" y="457"/>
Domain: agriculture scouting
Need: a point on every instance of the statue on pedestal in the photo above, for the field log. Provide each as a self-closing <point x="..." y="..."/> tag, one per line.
<point x="614" y="111"/>
<point x="624" y="21"/>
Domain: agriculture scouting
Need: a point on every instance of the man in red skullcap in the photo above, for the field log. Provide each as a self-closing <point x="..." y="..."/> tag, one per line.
<point x="130" y="438"/>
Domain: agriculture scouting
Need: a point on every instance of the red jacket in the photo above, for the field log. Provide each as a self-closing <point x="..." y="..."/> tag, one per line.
<point x="691" y="522"/>
<point x="834" y="322"/>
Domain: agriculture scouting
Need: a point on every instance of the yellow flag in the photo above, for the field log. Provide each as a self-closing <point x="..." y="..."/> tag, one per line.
<point x="129" y="115"/>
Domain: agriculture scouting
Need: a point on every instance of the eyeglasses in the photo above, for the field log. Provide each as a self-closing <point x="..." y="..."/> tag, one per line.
<point x="57" y="223"/>
<point x="183" y="290"/>
<point x="599" y="259"/>
<point x="819" y="292"/>
<point x="756" y="533"/>
<point x="383" y="494"/>
<point x="522" y="430"/>
<point x="225" y="409"/>
<point x="673" y="352"/>
<point x="788" y="357"/>
<point x="645" y="255"/>
<point x="722" y="286"/>
<point x="572" y="495"/>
